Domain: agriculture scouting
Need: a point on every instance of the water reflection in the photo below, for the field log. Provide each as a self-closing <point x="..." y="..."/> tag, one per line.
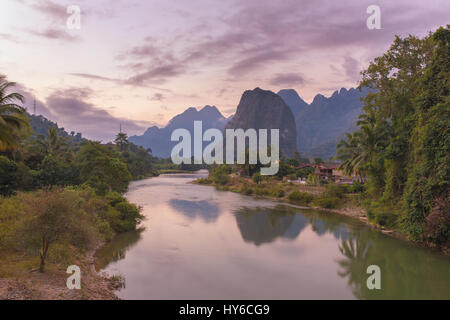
<point x="116" y="249"/>
<point x="204" y="209"/>
<point x="245" y="248"/>
<point x="407" y="272"/>
<point x="354" y="263"/>
<point x="265" y="225"/>
<point x="324" y="223"/>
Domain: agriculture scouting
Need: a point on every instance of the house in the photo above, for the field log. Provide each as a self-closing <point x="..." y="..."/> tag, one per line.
<point x="329" y="172"/>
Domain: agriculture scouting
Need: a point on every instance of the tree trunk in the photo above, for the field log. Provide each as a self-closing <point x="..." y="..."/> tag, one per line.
<point x="42" y="265"/>
<point x="43" y="255"/>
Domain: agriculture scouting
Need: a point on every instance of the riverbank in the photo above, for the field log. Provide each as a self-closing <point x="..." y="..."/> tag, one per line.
<point x="85" y="221"/>
<point x="20" y="281"/>
<point x="329" y="198"/>
<point x="337" y="201"/>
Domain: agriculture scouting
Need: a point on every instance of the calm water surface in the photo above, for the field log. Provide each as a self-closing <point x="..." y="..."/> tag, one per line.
<point x="200" y="243"/>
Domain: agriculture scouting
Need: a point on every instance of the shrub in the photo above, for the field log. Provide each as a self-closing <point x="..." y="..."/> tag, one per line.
<point x="8" y="181"/>
<point x="246" y="190"/>
<point x="357" y="187"/>
<point x="203" y="181"/>
<point x="257" y="177"/>
<point x="327" y="202"/>
<point x="220" y="175"/>
<point x="279" y="193"/>
<point x="383" y="215"/>
<point x="312" y="180"/>
<point x="337" y="191"/>
<point x="300" y="197"/>
<point x="437" y="227"/>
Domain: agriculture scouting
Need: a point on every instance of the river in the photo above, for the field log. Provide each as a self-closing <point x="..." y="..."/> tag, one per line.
<point x="200" y="243"/>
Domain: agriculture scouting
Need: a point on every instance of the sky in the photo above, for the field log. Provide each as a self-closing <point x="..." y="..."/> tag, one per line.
<point x="140" y="62"/>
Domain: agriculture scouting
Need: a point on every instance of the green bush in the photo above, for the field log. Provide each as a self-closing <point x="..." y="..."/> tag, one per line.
<point x="204" y="181"/>
<point x="382" y="215"/>
<point x="279" y="193"/>
<point x="220" y="174"/>
<point x="327" y="202"/>
<point x="257" y="177"/>
<point x="300" y="197"/>
<point x="246" y="190"/>
<point x="8" y="181"/>
<point x="338" y="191"/>
<point x="357" y="187"/>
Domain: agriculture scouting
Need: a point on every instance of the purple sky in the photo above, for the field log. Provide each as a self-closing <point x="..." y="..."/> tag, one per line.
<point x="140" y="63"/>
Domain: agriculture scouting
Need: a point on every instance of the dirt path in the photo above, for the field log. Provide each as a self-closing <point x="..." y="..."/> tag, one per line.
<point x="51" y="285"/>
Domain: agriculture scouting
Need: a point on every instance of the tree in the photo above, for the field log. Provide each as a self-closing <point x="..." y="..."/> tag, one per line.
<point x="54" y="216"/>
<point x="318" y="160"/>
<point x="52" y="143"/>
<point x="8" y="179"/>
<point x="426" y="196"/>
<point x="402" y="144"/>
<point x="101" y="168"/>
<point x="12" y="116"/>
<point x="121" y="142"/>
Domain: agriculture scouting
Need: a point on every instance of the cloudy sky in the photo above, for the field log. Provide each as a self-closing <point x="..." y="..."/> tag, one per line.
<point x="140" y="62"/>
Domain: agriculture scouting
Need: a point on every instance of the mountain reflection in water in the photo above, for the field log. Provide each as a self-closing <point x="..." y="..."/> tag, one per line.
<point x="201" y="243"/>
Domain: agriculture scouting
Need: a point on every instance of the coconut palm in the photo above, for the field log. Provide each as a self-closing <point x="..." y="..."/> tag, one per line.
<point x="12" y="116"/>
<point x="359" y="149"/>
<point x="51" y="143"/>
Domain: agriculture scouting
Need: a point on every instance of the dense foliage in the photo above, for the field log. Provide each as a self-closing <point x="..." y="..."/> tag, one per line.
<point x="58" y="190"/>
<point x="40" y="221"/>
<point x="402" y="146"/>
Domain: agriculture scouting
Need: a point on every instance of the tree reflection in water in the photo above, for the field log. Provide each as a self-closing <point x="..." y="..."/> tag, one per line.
<point x="265" y="225"/>
<point x="355" y="251"/>
<point x="407" y="272"/>
<point x="116" y="249"/>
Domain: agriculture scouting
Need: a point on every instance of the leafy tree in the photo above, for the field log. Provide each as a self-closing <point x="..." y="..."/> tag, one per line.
<point x="426" y="196"/>
<point x="402" y="145"/>
<point x="101" y="168"/>
<point x="54" y="216"/>
<point x="318" y="160"/>
<point x="8" y="177"/>
<point x="52" y="143"/>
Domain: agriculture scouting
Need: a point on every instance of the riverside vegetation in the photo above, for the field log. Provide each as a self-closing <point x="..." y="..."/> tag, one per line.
<point x="401" y="149"/>
<point x="60" y="194"/>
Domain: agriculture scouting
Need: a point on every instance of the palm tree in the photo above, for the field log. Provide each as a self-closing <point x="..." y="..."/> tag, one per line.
<point x="349" y="152"/>
<point x="360" y="149"/>
<point x="12" y="116"/>
<point x="52" y="143"/>
<point x="122" y="141"/>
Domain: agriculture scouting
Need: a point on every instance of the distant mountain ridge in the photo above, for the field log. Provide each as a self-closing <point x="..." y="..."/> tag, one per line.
<point x="293" y="100"/>
<point x="321" y="124"/>
<point x="158" y="139"/>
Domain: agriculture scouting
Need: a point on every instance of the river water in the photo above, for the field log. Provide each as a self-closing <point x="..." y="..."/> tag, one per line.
<point x="200" y="243"/>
